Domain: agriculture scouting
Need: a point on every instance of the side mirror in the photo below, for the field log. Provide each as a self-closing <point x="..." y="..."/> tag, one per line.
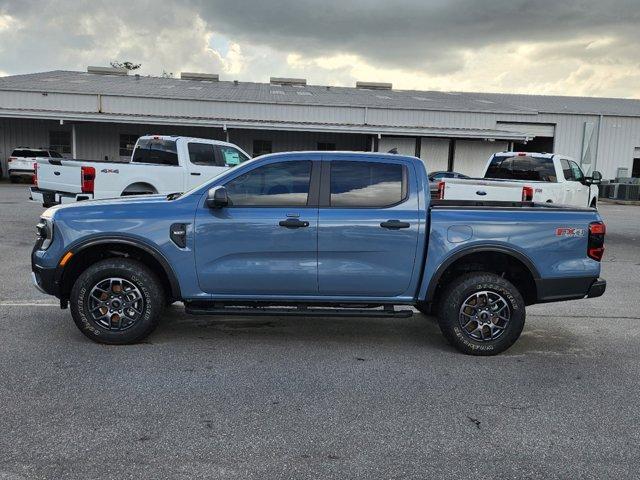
<point x="594" y="179"/>
<point x="217" y="197"/>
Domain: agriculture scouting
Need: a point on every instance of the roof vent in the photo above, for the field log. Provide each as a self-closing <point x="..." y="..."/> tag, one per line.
<point x="374" y="85"/>
<point x="287" y="81"/>
<point x="211" y="77"/>
<point x="107" y="71"/>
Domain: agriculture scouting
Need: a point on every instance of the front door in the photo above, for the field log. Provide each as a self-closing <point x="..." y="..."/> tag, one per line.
<point x="265" y="241"/>
<point x="368" y="228"/>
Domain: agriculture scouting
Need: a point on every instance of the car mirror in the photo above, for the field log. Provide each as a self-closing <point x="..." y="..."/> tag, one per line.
<point x="594" y="179"/>
<point x="217" y="197"/>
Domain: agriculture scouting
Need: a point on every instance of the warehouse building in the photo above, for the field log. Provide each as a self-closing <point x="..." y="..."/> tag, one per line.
<point x="100" y="113"/>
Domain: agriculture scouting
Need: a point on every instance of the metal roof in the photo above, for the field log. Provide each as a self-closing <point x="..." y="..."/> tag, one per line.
<point x="234" y="91"/>
<point x="60" y="81"/>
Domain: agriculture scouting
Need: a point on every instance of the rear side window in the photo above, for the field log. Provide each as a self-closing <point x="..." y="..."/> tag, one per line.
<point x="566" y="170"/>
<point x="284" y="184"/>
<point x="367" y="184"/>
<point x="522" y="167"/>
<point x="203" y="154"/>
<point x="156" y="151"/>
<point x="29" y="153"/>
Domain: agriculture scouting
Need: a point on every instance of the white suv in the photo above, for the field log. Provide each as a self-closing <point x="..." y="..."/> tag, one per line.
<point x="20" y="163"/>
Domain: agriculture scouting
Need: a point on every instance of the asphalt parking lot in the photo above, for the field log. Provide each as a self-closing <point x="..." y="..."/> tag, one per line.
<point x="319" y="398"/>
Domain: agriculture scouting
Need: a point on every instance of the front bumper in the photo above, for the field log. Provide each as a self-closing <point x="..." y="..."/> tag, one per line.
<point x="44" y="279"/>
<point x="49" y="197"/>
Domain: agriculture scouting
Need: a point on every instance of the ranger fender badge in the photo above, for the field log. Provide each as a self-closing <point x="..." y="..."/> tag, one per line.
<point x="569" y="232"/>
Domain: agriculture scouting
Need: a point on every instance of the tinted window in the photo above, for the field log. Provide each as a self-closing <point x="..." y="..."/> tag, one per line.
<point x="232" y="156"/>
<point x="203" y="154"/>
<point x="29" y="153"/>
<point x="366" y="184"/>
<point x="53" y="154"/>
<point x="277" y="184"/>
<point x="157" y="151"/>
<point x="522" y="167"/>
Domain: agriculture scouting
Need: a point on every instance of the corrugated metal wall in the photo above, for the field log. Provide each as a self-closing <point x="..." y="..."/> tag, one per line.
<point x="618" y="136"/>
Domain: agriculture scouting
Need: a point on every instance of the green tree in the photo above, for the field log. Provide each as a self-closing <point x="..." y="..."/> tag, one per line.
<point x="127" y="65"/>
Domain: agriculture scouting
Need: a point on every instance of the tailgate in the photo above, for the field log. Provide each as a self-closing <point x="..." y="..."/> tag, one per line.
<point x="59" y="177"/>
<point x="459" y="189"/>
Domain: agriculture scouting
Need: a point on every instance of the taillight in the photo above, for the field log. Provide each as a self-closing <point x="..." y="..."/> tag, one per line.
<point x="441" y="190"/>
<point x="88" y="179"/>
<point x="595" y="248"/>
<point x="34" y="179"/>
<point x="527" y="194"/>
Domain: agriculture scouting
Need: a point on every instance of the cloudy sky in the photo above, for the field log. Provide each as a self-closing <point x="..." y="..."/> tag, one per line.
<point x="571" y="47"/>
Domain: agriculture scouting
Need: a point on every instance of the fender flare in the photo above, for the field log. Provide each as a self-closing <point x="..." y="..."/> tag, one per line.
<point x="150" y="249"/>
<point x="435" y="279"/>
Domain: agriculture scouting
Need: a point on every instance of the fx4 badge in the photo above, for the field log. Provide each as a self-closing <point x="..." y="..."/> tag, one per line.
<point x="110" y="170"/>
<point x="569" y="232"/>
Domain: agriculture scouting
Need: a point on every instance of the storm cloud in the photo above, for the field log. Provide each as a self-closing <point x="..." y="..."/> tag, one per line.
<point x="584" y="47"/>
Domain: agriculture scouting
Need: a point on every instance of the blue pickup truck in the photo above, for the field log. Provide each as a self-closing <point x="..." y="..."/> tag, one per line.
<point x="317" y="233"/>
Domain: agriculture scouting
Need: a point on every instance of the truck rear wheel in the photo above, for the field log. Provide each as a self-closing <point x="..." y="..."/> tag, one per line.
<point x="481" y="313"/>
<point x="117" y="301"/>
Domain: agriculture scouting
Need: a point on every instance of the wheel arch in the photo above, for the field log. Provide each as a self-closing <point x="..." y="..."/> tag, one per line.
<point x="510" y="263"/>
<point x="86" y="253"/>
<point x="139" y="188"/>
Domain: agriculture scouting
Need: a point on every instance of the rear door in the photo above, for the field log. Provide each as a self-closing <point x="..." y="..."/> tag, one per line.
<point x="265" y="242"/>
<point x="368" y="227"/>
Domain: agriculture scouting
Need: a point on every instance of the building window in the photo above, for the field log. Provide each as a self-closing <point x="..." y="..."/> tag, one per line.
<point x="325" y="146"/>
<point x="127" y="142"/>
<point x="60" y="141"/>
<point x="635" y="170"/>
<point x="260" y="147"/>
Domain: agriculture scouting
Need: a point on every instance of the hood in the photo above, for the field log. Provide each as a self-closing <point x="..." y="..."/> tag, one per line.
<point x="119" y="201"/>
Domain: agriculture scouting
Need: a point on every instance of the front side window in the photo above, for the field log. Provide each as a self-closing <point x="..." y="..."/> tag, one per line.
<point x="203" y="154"/>
<point x="283" y="184"/>
<point x="567" y="170"/>
<point x="157" y="151"/>
<point x="232" y="156"/>
<point x="367" y="184"/>
<point x="577" y="172"/>
<point x="60" y="141"/>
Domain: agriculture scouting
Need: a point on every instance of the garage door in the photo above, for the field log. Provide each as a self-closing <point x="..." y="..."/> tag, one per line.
<point x="531" y="129"/>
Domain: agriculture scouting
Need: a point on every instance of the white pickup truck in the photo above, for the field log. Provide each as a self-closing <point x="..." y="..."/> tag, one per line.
<point x="159" y="164"/>
<point x="523" y="176"/>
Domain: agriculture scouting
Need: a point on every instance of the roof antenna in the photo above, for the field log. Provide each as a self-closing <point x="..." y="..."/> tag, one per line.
<point x="394" y="150"/>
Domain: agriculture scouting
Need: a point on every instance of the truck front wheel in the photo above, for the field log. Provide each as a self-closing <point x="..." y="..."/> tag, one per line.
<point x="481" y="313"/>
<point x="117" y="301"/>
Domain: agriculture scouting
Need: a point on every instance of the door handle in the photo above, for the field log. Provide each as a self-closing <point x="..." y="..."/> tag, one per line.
<point x="196" y="174"/>
<point x="395" y="224"/>
<point x="293" y="223"/>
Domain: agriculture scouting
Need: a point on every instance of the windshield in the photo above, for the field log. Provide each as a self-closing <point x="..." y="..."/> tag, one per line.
<point x="522" y="167"/>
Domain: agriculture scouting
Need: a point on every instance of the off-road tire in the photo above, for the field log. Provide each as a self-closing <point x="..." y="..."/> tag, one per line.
<point x="451" y="302"/>
<point x="133" y="271"/>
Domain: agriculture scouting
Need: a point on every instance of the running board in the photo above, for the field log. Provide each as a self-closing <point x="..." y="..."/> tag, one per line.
<point x="297" y="311"/>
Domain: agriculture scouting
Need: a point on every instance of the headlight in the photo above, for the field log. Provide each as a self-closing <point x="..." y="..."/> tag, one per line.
<point x="44" y="232"/>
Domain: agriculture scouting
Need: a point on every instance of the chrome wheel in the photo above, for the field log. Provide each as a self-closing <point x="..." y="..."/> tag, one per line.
<point x="484" y="315"/>
<point x="115" y="304"/>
